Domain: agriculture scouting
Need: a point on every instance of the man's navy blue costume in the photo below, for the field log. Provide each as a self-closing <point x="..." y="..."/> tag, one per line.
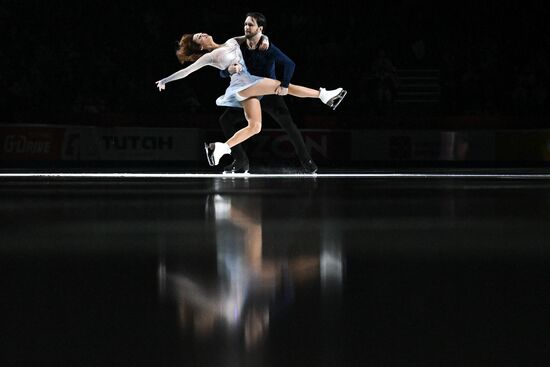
<point x="263" y="63"/>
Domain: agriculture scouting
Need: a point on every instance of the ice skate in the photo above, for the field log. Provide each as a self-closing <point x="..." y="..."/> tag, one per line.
<point x="309" y="166"/>
<point x="215" y="151"/>
<point x="332" y="98"/>
<point x="237" y="167"/>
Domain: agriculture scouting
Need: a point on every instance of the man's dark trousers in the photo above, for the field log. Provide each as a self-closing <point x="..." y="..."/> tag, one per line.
<point x="275" y="107"/>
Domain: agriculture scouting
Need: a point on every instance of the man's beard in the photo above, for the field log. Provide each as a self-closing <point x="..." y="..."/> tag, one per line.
<point x="250" y="35"/>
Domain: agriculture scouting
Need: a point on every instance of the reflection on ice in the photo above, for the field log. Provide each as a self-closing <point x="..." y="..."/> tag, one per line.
<point x="239" y="297"/>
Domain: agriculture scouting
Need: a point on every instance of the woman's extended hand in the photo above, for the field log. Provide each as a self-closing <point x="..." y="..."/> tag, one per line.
<point x="160" y="85"/>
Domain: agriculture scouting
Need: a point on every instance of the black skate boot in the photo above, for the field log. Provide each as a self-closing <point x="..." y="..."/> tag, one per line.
<point x="237" y="167"/>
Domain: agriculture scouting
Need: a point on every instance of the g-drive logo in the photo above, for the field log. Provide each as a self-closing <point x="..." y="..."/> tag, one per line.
<point x="21" y="144"/>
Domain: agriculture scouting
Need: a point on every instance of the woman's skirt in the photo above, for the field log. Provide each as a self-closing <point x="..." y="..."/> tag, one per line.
<point x="239" y="82"/>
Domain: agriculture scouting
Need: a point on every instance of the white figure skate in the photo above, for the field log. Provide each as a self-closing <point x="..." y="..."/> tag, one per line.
<point x="215" y="151"/>
<point x="332" y="98"/>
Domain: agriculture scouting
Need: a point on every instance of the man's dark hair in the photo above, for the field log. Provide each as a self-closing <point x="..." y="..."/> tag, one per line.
<point x="259" y="17"/>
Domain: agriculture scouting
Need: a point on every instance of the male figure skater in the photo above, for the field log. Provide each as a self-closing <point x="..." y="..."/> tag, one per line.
<point x="263" y="63"/>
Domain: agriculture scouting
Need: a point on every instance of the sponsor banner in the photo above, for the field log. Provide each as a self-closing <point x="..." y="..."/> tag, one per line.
<point x="523" y="145"/>
<point x="376" y="145"/>
<point x="79" y="144"/>
<point x="31" y="142"/>
<point x="89" y="143"/>
<point x="128" y="144"/>
<point x="322" y="145"/>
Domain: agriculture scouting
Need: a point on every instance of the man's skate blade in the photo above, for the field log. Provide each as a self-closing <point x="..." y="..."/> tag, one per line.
<point x="227" y="172"/>
<point x="236" y="174"/>
<point x="338" y="99"/>
<point x="209" y="158"/>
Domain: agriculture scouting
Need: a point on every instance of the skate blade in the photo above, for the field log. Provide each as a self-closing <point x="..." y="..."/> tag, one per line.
<point x="209" y="157"/>
<point x="338" y="99"/>
<point x="237" y="174"/>
<point x="232" y="172"/>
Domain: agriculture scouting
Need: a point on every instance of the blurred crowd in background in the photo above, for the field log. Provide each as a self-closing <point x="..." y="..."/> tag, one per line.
<point x="89" y="62"/>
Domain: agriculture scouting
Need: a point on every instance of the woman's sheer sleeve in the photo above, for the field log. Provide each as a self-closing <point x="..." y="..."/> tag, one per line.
<point x="239" y="39"/>
<point x="204" y="60"/>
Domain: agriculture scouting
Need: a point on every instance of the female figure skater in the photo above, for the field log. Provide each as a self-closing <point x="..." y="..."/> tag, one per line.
<point x="244" y="88"/>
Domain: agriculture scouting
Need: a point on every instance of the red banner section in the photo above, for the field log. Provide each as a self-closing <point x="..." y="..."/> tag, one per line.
<point x="523" y="145"/>
<point x="74" y="143"/>
<point x="31" y="143"/>
<point x="90" y="143"/>
<point x="424" y="145"/>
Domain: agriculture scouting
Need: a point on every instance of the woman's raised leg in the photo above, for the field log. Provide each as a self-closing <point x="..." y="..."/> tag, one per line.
<point x="268" y="86"/>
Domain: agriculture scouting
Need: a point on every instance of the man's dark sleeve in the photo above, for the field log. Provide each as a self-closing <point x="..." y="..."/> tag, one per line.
<point x="283" y="61"/>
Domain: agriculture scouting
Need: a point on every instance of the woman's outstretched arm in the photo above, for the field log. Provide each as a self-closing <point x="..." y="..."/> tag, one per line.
<point x="204" y="60"/>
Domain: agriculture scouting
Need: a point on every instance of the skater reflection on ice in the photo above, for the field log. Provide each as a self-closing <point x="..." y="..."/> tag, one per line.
<point x="252" y="285"/>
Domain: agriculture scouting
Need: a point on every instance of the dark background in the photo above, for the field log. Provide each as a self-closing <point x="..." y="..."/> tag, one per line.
<point x="95" y="62"/>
